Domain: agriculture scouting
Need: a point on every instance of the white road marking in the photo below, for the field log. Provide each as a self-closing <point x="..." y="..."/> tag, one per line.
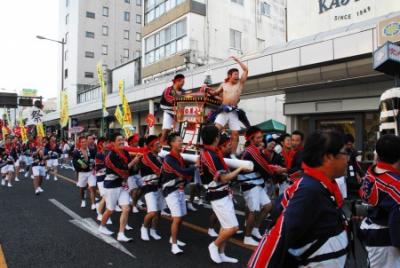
<point x="90" y="226"/>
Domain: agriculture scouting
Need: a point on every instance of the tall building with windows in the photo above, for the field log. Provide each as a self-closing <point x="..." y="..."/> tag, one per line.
<point x="182" y="34"/>
<point x="106" y="31"/>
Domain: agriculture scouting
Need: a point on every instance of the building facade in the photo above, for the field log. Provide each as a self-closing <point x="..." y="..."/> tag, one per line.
<point x="94" y="31"/>
<point x="310" y="17"/>
<point x="184" y="34"/>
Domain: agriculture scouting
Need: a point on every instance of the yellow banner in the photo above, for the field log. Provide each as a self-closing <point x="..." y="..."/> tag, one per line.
<point x="118" y="115"/>
<point x="5" y="132"/>
<point x="24" y="136"/>
<point x="64" y="114"/>
<point x="127" y="112"/>
<point x="40" y="130"/>
<point x="103" y="87"/>
<point x="121" y="89"/>
<point x="128" y="132"/>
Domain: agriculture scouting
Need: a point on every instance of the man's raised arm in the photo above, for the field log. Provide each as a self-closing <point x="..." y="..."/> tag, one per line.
<point x="245" y="73"/>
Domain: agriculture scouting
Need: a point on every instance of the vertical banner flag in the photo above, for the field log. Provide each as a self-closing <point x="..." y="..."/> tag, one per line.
<point x="127" y="116"/>
<point x="35" y="116"/>
<point x="64" y="116"/>
<point x="118" y="115"/>
<point x="24" y="136"/>
<point x="103" y="88"/>
<point x="40" y="130"/>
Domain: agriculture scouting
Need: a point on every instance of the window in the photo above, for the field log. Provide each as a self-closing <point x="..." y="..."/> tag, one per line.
<point x="126" y="34"/>
<point x="127" y="16"/>
<point x="105" y="30"/>
<point x="65" y="73"/>
<point x="89" y="34"/>
<point x="265" y="9"/>
<point x="90" y="15"/>
<point x="235" y="39"/>
<point x="240" y="2"/>
<point x="89" y="54"/>
<point x="156" y="8"/>
<point x="104" y="50"/>
<point x="138" y="37"/>
<point x="128" y="1"/>
<point x="105" y="11"/>
<point x="138" y="19"/>
<point x="66" y="3"/>
<point x="66" y="19"/>
<point x="89" y="75"/>
<point x="165" y="42"/>
<point x="66" y="38"/>
<point x="126" y="53"/>
<point x="138" y="2"/>
<point x="65" y="55"/>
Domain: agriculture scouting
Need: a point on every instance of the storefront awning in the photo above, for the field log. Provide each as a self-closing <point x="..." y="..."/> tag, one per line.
<point x="272" y="126"/>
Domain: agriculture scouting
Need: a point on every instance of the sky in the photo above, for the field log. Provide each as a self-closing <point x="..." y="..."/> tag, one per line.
<point x="25" y="61"/>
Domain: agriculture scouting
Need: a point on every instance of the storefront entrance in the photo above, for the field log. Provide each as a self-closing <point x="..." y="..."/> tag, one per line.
<point x="363" y="126"/>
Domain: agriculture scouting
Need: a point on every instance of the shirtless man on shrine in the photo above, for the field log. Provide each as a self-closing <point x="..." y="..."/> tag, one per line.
<point x="230" y="92"/>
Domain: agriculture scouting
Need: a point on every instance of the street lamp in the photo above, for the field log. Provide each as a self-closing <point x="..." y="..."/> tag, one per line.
<point x="62" y="42"/>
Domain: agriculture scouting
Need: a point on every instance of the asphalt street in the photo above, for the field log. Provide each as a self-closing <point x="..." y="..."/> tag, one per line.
<point x="34" y="232"/>
<point x="52" y="230"/>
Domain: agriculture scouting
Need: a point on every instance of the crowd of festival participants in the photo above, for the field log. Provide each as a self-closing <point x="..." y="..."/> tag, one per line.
<point x="300" y="185"/>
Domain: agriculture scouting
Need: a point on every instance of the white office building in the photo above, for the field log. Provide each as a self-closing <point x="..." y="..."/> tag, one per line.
<point x="310" y="17"/>
<point x="183" y="34"/>
<point x="107" y="31"/>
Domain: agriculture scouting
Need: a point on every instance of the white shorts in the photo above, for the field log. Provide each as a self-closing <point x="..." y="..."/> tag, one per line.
<point x="154" y="201"/>
<point x="256" y="198"/>
<point x="100" y="185"/>
<point x="7" y="168"/>
<point x="225" y="212"/>
<point x="85" y="178"/>
<point x="176" y="203"/>
<point x="168" y="121"/>
<point x="52" y="163"/>
<point x="384" y="256"/>
<point x="39" y="171"/>
<point x="116" y="196"/>
<point x="134" y="182"/>
<point x="65" y="156"/>
<point x="231" y="118"/>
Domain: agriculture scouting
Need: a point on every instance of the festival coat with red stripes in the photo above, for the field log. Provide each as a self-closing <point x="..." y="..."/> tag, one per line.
<point x="308" y="214"/>
<point x="382" y="192"/>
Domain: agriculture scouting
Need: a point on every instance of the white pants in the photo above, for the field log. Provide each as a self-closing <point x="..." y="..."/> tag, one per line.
<point x="100" y="186"/>
<point x="381" y="257"/>
<point x="116" y="196"/>
<point x="154" y="201"/>
<point x="231" y="118"/>
<point x="39" y="171"/>
<point x="176" y="203"/>
<point x="85" y="178"/>
<point x="52" y="163"/>
<point x="7" y="168"/>
<point x="225" y="211"/>
<point x="256" y="198"/>
<point x="168" y="121"/>
<point x="134" y="182"/>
